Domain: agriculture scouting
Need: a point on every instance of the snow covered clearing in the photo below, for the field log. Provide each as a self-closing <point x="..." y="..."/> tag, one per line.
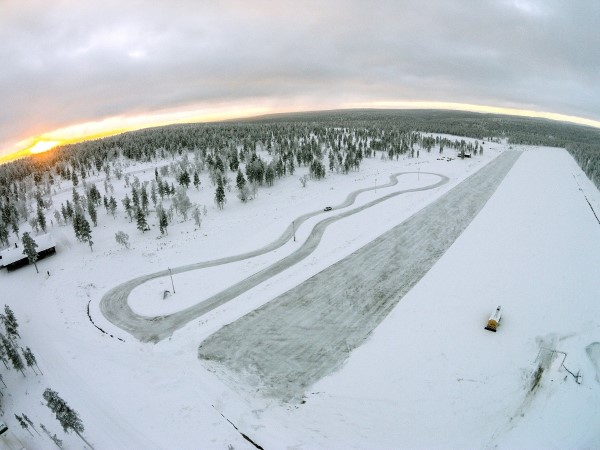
<point x="115" y="306"/>
<point x="304" y="334"/>
<point x="428" y="376"/>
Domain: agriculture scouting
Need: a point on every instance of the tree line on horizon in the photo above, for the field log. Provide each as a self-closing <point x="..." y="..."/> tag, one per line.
<point x="243" y="157"/>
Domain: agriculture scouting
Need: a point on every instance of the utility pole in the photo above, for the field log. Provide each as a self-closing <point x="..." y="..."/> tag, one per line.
<point x="172" y="284"/>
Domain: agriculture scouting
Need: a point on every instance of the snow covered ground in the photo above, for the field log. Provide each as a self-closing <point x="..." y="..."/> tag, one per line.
<point x="429" y="375"/>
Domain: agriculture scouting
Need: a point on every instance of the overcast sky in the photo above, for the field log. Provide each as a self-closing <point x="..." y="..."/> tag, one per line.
<point x="65" y="62"/>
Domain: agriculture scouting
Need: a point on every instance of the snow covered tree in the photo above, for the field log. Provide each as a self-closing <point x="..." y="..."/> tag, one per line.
<point x="29" y="249"/>
<point x="23" y="424"/>
<point x="244" y="194"/>
<point x="4" y="232"/>
<point x="153" y="196"/>
<point x="220" y="193"/>
<point x="41" y="219"/>
<point x="140" y="218"/>
<point x="57" y="217"/>
<point x="219" y="164"/>
<point x="182" y="202"/>
<point x="85" y="232"/>
<point x="196" y="180"/>
<point x="28" y="420"/>
<point x="30" y="359"/>
<point x="184" y="179"/>
<point x="128" y="208"/>
<point x="144" y="200"/>
<point x="92" y="211"/>
<point x="13" y="355"/>
<point x="4" y="359"/>
<point x="197" y="216"/>
<point x="269" y="175"/>
<point x="163" y="221"/>
<point x="122" y="238"/>
<point x="66" y="416"/>
<point x="10" y="323"/>
<point x="240" y="181"/>
<point x="112" y="205"/>
<point x="54" y="438"/>
<point x="234" y="162"/>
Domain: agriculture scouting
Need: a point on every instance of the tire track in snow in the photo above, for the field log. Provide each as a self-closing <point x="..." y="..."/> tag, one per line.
<point x="306" y="333"/>
<point x="115" y="308"/>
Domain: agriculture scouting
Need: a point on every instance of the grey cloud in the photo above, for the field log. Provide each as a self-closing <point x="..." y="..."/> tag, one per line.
<point x="67" y="62"/>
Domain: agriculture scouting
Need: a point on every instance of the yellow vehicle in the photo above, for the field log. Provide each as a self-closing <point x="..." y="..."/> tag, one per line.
<point x="494" y="320"/>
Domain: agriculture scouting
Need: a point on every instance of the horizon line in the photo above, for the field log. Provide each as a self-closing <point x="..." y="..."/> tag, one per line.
<point x="116" y="125"/>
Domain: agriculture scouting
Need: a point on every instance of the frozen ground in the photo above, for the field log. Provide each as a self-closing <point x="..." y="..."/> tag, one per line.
<point x="293" y="341"/>
<point x="429" y="376"/>
<point x="115" y="306"/>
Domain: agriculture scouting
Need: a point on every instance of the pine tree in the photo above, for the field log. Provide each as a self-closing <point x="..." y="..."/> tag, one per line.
<point x="184" y="179"/>
<point x="4" y="358"/>
<point x="142" y="225"/>
<point x="128" y="208"/>
<point x="13" y="355"/>
<point x="66" y="416"/>
<point x="135" y="197"/>
<point x="23" y="424"/>
<point x="240" y="181"/>
<point x="3" y="233"/>
<point x="29" y="249"/>
<point x="144" y="200"/>
<point x="153" y="193"/>
<point x="163" y="220"/>
<point x="85" y="232"/>
<point x="28" y="420"/>
<point x="162" y="191"/>
<point x="219" y="164"/>
<point x="70" y="210"/>
<point x="220" y="193"/>
<point x="30" y="359"/>
<point x="196" y="180"/>
<point x="112" y="205"/>
<point x="92" y="211"/>
<point x="41" y="219"/>
<point x="234" y="162"/>
<point x="10" y="323"/>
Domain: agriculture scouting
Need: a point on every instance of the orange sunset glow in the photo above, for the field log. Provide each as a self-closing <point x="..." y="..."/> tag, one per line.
<point x="115" y="125"/>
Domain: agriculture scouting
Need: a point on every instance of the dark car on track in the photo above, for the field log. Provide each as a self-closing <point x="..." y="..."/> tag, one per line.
<point x="327" y="208"/>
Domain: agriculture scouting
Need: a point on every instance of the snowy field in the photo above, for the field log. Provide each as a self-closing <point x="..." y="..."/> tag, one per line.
<point x="429" y="376"/>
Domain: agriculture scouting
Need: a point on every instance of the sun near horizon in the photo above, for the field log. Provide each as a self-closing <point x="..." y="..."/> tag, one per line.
<point x="115" y="125"/>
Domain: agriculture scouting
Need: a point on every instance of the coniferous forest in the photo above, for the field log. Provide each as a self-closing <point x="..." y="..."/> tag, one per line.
<point x="247" y="154"/>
